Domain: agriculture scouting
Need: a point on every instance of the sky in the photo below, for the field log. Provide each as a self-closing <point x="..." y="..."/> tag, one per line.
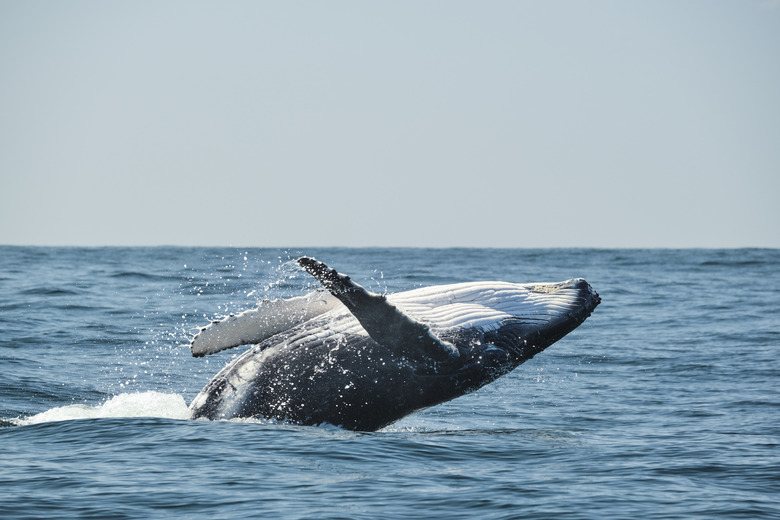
<point x="405" y="123"/>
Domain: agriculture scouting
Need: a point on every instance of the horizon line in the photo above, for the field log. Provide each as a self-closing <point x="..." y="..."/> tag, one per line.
<point x="180" y="246"/>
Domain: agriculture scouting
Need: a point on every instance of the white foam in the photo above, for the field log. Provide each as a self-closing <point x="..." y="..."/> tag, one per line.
<point x="140" y="404"/>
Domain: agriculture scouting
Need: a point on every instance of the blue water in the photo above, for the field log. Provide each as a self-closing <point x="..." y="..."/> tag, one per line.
<point x="663" y="404"/>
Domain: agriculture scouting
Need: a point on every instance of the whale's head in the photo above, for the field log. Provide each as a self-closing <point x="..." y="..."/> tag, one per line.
<point x="498" y="325"/>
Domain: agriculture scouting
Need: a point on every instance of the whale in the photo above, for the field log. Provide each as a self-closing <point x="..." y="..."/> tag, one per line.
<point x="345" y="356"/>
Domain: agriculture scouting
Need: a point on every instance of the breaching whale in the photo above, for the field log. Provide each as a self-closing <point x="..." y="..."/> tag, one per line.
<point x="351" y="358"/>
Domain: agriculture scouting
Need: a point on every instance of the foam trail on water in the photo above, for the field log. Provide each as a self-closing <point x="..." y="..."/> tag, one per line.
<point x="140" y="404"/>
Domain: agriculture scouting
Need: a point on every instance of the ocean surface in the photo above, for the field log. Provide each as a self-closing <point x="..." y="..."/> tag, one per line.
<point x="665" y="403"/>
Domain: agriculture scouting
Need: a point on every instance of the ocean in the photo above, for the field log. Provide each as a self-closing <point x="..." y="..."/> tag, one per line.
<point x="665" y="403"/>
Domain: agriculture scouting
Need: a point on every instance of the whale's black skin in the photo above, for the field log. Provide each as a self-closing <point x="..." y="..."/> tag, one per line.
<point x="367" y="368"/>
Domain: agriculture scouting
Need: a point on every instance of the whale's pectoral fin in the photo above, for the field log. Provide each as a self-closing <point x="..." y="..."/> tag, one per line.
<point x="382" y="321"/>
<point x="256" y="325"/>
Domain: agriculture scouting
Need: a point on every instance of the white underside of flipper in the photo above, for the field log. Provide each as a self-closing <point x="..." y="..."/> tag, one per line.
<point x="255" y="325"/>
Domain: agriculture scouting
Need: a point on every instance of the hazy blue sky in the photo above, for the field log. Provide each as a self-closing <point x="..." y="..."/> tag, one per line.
<point x="420" y="123"/>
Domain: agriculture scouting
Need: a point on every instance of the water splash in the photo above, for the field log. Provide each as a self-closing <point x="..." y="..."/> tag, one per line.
<point x="139" y="404"/>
